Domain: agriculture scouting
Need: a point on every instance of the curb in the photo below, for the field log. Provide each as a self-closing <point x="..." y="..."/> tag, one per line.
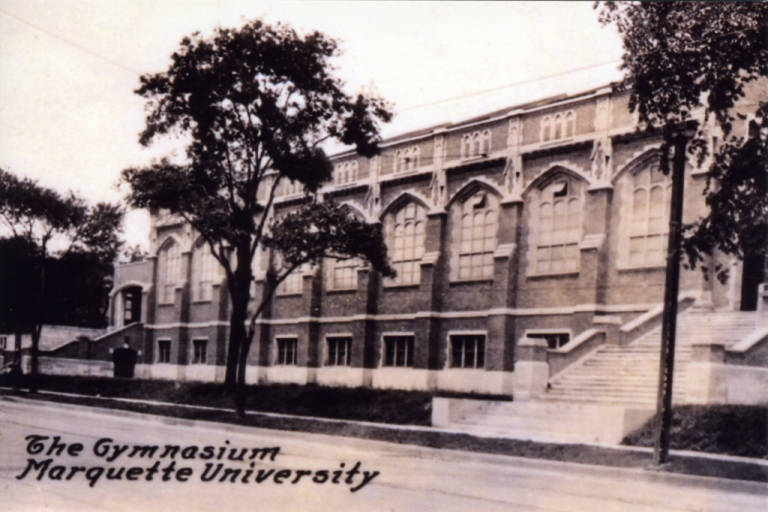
<point x="649" y="475"/>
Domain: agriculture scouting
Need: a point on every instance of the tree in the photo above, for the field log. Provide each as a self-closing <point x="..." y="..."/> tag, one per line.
<point x="255" y="105"/>
<point x="47" y="233"/>
<point x="687" y="64"/>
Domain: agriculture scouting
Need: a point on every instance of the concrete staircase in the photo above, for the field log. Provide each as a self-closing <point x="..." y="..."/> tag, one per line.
<point x="629" y="375"/>
<point x="606" y="395"/>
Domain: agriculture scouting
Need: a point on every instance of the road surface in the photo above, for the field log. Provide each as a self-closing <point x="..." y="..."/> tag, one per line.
<point x="307" y="473"/>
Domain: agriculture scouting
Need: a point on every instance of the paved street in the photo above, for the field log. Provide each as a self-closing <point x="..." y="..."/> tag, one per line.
<point x="408" y="478"/>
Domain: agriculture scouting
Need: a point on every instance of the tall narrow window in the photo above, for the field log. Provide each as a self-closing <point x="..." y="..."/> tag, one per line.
<point x="570" y="124"/>
<point x="650" y="204"/>
<point x="287" y="349"/>
<point x="164" y="351"/>
<point x="559" y="231"/>
<point x="558" y="126"/>
<point x="169" y="271"/>
<point x="405" y="238"/>
<point x="477" y="236"/>
<point x="546" y="128"/>
<point x="398" y="351"/>
<point x="199" y="351"/>
<point x="131" y="305"/>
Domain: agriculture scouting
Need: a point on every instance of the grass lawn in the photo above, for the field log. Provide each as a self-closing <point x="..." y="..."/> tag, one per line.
<point x="731" y="429"/>
<point x="390" y="406"/>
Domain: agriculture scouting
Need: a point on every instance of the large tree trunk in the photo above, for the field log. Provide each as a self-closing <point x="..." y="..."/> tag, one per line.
<point x="239" y="293"/>
<point x="34" y="351"/>
<point x="245" y="348"/>
<point x="17" y="358"/>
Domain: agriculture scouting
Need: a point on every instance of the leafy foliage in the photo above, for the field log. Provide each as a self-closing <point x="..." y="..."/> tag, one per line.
<point x="254" y="106"/>
<point x="57" y="259"/>
<point x="687" y="65"/>
<point x="55" y="225"/>
<point x="326" y="230"/>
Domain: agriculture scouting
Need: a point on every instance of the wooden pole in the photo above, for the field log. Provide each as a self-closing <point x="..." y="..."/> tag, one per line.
<point x="669" y="317"/>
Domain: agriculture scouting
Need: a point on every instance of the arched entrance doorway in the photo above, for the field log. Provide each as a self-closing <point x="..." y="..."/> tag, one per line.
<point x="131" y="304"/>
<point x="753" y="273"/>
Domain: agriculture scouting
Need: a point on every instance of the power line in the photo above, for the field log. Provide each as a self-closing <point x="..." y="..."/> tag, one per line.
<point x="70" y="43"/>
<point x="506" y="86"/>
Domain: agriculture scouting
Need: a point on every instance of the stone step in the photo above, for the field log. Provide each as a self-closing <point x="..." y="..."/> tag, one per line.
<point x="545" y="420"/>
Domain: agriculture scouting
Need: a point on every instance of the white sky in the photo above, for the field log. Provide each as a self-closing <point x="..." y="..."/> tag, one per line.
<point x="69" y="118"/>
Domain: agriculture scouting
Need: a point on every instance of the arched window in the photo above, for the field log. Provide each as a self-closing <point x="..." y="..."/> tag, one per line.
<point x="570" y="124"/>
<point x="466" y="146"/>
<point x="205" y="273"/>
<point x="558" y="125"/>
<point x="559" y="226"/>
<point x="345" y="172"/>
<point x="546" y="128"/>
<point x="168" y="271"/>
<point x="476" y="144"/>
<point x="407" y="159"/>
<point x="650" y="206"/>
<point x="476" y="226"/>
<point x="405" y="241"/>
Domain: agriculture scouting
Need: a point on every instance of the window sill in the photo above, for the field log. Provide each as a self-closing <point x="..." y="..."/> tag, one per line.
<point x="341" y="291"/>
<point x="165" y="304"/>
<point x="280" y="295"/>
<point x="385" y="367"/>
<point x="399" y="285"/>
<point x="647" y="266"/>
<point x="202" y="301"/>
<point x="543" y="275"/>
<point x="337" y="366"/>
<point x="473" y="280"/>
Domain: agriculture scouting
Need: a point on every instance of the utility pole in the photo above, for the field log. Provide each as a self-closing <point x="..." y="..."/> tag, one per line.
<point x="669" y="316"/>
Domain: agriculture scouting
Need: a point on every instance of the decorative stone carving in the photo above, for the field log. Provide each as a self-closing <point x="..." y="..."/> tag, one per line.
<point x="513" y="177"/>
<point x="373" y="196"/>
<point x="601" y="169"/>
<point x="515" y="133"/>
<point x="438" y="187"/>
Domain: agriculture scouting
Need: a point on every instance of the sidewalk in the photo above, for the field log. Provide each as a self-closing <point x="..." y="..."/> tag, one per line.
<point x="686" y="467"/>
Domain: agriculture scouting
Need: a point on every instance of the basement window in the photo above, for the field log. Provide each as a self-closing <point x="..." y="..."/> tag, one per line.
<point x="164" y="351"/>
<point x="554" y="339"/>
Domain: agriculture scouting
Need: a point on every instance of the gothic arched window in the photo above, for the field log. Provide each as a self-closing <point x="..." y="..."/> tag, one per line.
<point x="405" y="229"/>
<point x="168" y="271"/>
<point x="476" y="221"/>
<point x="650" y="205"/>
<point x="558" y="230"/>
<point x="205" y="273"/>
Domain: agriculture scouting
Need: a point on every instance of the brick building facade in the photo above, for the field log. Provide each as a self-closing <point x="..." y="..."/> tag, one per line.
<point x="542" y="220"/>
